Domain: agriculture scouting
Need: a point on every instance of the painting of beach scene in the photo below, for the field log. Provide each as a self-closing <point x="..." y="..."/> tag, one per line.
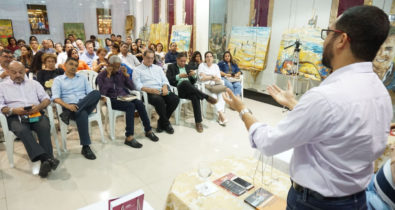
<point x="181" y="34"/>
<point x="249" y="46"/>
<point x="310" y="56"/>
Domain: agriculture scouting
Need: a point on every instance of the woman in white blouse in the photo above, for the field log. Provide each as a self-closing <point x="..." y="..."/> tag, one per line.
<point x="209" y="73"/>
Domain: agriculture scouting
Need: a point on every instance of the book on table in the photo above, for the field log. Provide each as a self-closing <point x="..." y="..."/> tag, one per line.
<point x="131" y="201"/>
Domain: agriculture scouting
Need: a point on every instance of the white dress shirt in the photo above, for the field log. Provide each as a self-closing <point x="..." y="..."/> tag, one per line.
<point x="129" y="60"/>
<point x="337" y="130"/>
<point x="62" y="57"/>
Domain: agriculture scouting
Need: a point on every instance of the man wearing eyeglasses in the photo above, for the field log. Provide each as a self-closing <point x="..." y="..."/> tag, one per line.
<point x="6" y="57"/>
<point x="337" y="129"/>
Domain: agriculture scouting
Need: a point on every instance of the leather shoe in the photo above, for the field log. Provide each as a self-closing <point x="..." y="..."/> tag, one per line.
<point x="133" y="143"/>
<point x="65" y="116"/>
<point x="45" y="168"/>
<point x="151" y="136"/>
<point x="158" y="128"/>
<point x="199" y="127"/>
<point x="169" y="129"/>
<point x="211" y="100"/>
<point x="54" y="163"/>
<point x="87" y="153"/>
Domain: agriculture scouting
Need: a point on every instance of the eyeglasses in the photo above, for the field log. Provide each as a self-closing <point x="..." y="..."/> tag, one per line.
<point x="325" y="33"/>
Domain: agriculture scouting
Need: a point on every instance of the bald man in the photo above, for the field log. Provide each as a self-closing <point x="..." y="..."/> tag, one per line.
<point x="24" y="112"/>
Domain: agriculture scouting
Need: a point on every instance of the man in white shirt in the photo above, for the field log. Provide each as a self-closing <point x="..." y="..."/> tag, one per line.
<point x="89" y="54"/>
<point x="128" y="58"/>
<point x="337" y="129"/>
<point x="80" y="46"/>
<point x="62" y="57"/>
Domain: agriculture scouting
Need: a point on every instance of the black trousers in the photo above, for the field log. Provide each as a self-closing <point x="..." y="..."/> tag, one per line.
<point x="86" y="106"/>
<point x="24" y="131"/>
<point x="129" y="107"/>
<point x="164" y="106"/>
<point x="188" y="91"/>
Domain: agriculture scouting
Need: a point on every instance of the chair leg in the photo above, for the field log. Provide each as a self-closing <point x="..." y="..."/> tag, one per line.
<point x="10" y="148"/>
<point x="112" y="127"/>
<point x="55" y="137"/>
<point x="177" y="114"/>
<point x="99" y="122"/>
<point x="63" y="132"/>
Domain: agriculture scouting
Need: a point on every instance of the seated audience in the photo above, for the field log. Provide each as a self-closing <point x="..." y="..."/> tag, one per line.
<point x="152" y="47"/>
<point x="80" y="46"/>
<point x="108" y="44"/>
<point x="89" y="54"/>
<point x="26" y="57"/>
<point x="51" y="44"/>
<point x="12" y="45"/>
<point x="67" y="41"/>
<point x="58" y="48"/>
<point x="96" y="44"/>
<point x="46" y="75"/>
<point x="101" y="62"/>
<point x="230" y="73"/>
<point x="37" y="63"/>
<point x="128" y="58"/>
<point x="171" y="56"/>
<point x="73" y="53"/>
<point x="380" y="193"/>
<point x="23" y="121"/>
<point x="195" y="61"/>
<point x="150" y="78"/>
<point x="18" y="52"/>
<point x="46" y="46"/>
<point x="119" y="39"/>
<point x="73" y="40"/>
<point x="159" y="54"/>
<point x="6" y="57"/>
<point x="62" y="57"/>
<point x="182" y="77"/>
<point x="210" y="74"/>
<point x="74" y="93"/>
<point x="114" y="82"/>
<point x="115" y="50"/>
<point x="136" y="50"/>
<point x="34" y="46"/>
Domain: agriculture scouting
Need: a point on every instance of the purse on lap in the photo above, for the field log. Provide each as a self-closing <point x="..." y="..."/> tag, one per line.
<point x="218" y="87"/>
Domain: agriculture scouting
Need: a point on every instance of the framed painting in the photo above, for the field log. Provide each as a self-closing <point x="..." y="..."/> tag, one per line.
<point x="181" y="34"/>
<point x="6" y="31"/>
<point x="159" y="33"/>
<point x="38" y="19"/>
<point x="104" y="21"/>
<point x="74" y="28"/>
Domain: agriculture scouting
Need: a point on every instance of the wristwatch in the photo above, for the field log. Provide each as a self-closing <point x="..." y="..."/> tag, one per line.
<point x="245" y="110"/>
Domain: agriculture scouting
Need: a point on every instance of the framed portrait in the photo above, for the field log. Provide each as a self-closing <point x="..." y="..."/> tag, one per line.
<point x="104" y="21"/>
<point x="38" y="19"/>
<point x="6" y="31"/>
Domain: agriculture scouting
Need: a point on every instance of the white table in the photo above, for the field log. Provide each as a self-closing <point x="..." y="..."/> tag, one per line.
<point x="103" y="205"/>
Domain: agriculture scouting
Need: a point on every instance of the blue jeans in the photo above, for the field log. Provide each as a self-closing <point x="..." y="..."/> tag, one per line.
<point x="234" y="86"/>
<point x="374" y="201"/>
<point x="302" y="200"/>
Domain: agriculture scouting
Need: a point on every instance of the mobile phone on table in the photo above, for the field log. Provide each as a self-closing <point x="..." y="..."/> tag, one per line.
<point x="242" y="182"/>
<point x="233" y="187"/>
<point x="27" y="108"/>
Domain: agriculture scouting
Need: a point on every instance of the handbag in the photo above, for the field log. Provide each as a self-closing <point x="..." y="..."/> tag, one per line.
<point x="218" y="87"/>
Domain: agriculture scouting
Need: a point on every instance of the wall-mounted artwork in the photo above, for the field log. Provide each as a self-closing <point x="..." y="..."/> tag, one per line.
<point x="104" y="21"/>
<point x="5" y="31"/>
<point x="159" y="33"/>
<point x="217" y="41"/>
<point x="129" y="25"/>
<point x="249" y="47"/>
<point x="310" y="56"/>
<point x="74" y="28"/>
<point x="38" y="19"/>
<point x="181" y="34"/>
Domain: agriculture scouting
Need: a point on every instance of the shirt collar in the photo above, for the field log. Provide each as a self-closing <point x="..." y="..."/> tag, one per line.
<point x="147" y="66"/>
<point x="66" y="77"/>
<point x="360" y="67"/>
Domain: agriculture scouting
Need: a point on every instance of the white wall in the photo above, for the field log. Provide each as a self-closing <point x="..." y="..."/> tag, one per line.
<point x="61" y="11"/>
<point x="202" y="8"/>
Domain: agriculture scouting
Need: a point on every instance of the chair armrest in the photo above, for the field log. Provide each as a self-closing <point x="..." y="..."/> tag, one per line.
<point x="136" y="93"/>
<point x="174" y="89"/>
<point x="145" y="97"/>
<point x="4" y="124"/>
<point x="108" y="102"/>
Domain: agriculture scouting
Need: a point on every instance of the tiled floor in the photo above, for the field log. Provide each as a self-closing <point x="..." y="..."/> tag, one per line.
<point x="119" y="169"/>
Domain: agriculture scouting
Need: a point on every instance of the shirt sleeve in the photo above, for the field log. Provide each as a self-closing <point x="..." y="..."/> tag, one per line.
<point x="55" y="89"/>
<point x="136" y="79"/>
<point x="136" y="61"/>
<point x="164" y="79"/>
<point x="236" y="68"/>
<point x="41" y="94"/>
<point x="167" y="58"/>
<point x="100" y="83"/>
<point x="305" y="124"/>
<point x="2" y="99"/>
<point x="218" y="72"/>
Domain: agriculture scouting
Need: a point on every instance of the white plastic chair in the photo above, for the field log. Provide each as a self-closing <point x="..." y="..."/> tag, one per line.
<point x="113" y="114"/>
<point x="9" y="136"/>
<point x="94" y="116"/>
<point x="179" y="107"/>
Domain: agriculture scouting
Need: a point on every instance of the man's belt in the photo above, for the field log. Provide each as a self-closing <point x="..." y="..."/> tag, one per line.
<point x="318" y="196"/>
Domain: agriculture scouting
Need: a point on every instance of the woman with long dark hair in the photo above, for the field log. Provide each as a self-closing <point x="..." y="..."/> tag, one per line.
<point x="230" y="73"/>
<point x="12" y="46"/>
<point x="195" y="61"/>
<point x="26" y="57"/>
<point x="73" y="53"/>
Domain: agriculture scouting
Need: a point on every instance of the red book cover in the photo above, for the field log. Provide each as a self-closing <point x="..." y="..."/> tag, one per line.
<point x="133" y="201"/>
<point x="224" y="178"/>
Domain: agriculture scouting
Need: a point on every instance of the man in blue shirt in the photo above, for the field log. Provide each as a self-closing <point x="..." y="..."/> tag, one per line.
<point x="150" y="78"/>
<point x="171" y="56"/>
<point x="74" y="93"/>
<point x="89" y="54"/>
